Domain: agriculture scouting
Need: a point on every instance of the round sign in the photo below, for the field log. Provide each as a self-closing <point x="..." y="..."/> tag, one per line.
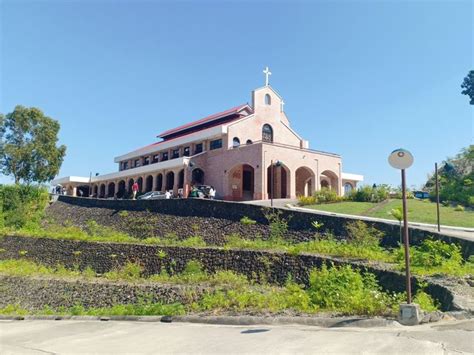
<point x="400" y="159"/>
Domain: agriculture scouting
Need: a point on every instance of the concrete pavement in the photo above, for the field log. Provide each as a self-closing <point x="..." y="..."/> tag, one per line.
<point x="118" y="337"/>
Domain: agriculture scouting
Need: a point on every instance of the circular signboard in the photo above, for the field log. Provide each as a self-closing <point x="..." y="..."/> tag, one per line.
<point x="400" y="159"/>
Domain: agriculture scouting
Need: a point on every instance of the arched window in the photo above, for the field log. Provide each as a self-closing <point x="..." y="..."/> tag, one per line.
<point x="235" y="142"/>
<point x="347" y="188"/>
<point x="249" y="141"/>
<point x="268" y="99"/>
<point x="267" y="133"/>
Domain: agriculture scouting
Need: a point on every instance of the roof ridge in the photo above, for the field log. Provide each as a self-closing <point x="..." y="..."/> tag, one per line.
<point x="203" y="120"/>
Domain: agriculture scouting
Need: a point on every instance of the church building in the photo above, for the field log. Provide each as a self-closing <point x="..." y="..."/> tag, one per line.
<point x="247" y="152"/>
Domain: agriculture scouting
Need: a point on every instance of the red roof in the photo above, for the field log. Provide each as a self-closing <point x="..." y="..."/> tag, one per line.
<point x="204" y="120"/>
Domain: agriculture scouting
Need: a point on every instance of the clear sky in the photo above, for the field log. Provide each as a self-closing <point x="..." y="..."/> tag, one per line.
<point x="359" y="78"/>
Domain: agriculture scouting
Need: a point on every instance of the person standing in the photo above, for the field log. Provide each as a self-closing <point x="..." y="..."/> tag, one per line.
<point x="135" y="189"/>
<point x="212" y="193"/>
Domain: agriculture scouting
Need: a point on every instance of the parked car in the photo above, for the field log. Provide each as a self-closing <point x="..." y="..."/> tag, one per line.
<point x="152" y="195"/>
<point x="421" y="194"/>
<point x="203" y="191"/>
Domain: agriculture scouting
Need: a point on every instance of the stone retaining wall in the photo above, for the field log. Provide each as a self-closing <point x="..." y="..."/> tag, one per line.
<point x="274" y="267"/>
<point x="34" y="293"/>
<point x="216" y="219"/>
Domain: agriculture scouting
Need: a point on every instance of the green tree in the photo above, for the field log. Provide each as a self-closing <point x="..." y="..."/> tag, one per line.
<point x="28" y="149"/>
<point x="456" y="178"/>
<point x="468" y="86"/>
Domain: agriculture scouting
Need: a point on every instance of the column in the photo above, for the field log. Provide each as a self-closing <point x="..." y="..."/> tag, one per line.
<point x="187" y="181"/>
<point x="74" y="191"/>
<point x="175" y="183"/>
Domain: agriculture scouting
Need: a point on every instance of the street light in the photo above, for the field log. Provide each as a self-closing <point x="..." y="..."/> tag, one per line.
<point x="402" y="159"/>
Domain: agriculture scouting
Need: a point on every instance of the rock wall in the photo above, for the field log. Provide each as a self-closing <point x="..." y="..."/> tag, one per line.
<point x="216" y="219"/>
<point x="34" y="293"/>
<point x="273" y="267"/>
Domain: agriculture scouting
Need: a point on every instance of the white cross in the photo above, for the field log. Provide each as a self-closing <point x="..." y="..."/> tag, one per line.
<point x="282" y="103"/>
<point x="267" y="73"/>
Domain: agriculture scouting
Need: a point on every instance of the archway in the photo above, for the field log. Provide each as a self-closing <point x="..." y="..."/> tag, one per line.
<point x="281" y="181"/>
<point x="304" y="177"/>
<point x="181" y="179"/>
<point x="111" y="189"/>
<point x="121" y="189"/>
<point x="140" y="184"/>
<point x="197" y="177"/>
<point x="329" y="179"/>
<point x="102" y="191"/>
<point x="96" y="191"/>
<point x="170" y="181"/>
<point x="82" y="191"/>
<point x="130" y="184"/>
<point x="149" y="183"/>
<point x="241" y="182"/>
<point x="348" y="188"/>
<point x="159" y="182"/>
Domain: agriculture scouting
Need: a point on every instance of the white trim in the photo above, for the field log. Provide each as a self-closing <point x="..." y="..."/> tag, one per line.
<point x="151" y="168"/>
<point x="292" y="131"/>
<point x="352" y="177"/>
<point x="197" y="136"/>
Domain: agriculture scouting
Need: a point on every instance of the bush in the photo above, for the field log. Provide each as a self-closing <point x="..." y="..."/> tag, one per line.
<point x="325" y="195"/>
<point x="278" y="225"/>
<point x="459" y="208"/>
<point x="129" y="272"/>
<point x="344" y="289"/>
<point x="435" y="257"/>
<point x="246" y="221"/>
<point x="306" y="200"/>
<point x="370" y="194"/>
<point x="22" y="205"/>
<point x="360" y="234"/>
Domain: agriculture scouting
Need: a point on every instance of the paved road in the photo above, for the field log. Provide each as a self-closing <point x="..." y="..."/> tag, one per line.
<point x="117" y="337"/>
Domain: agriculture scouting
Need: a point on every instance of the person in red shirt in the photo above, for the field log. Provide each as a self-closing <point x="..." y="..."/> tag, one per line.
<point x="135" y="189"/>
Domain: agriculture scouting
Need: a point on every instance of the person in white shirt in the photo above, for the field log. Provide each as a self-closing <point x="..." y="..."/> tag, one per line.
<point x="167" y="195"/>
<point x="212" y="193"/>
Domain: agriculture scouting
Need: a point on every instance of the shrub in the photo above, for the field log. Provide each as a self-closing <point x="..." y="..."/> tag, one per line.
<point x="425" y="301"/>
<point x="325" y="195"/>
<point x="278" y="225"/>
<point x="246" y="221"/>
<point x="22" y="205"/>
<point x="370" y="194"/>
<point x="306" y="200"/>
<point x="359" y="233"/>
<point x="459" y="208"/>
<point x="123" y="214"/>
<point x="435" y="257"/>
<point x="129" y="272"/>
<point x="347" y="290"/>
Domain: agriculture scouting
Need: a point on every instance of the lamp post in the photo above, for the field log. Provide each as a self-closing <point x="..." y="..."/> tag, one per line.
<point x="278" y="163"/>
<point x="437" y="196"/>
<point x="402" y="159"/>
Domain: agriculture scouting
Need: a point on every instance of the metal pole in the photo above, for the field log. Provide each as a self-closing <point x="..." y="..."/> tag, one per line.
<point x="437" y="195"/>
<point x="405" y="238"/>
<point x="271" y="182"/>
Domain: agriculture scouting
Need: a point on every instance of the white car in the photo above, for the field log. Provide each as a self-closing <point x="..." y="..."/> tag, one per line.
<point x="152" y="195"/>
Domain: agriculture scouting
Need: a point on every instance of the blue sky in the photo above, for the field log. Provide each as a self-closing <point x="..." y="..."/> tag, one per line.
<point x="359" y="78"/>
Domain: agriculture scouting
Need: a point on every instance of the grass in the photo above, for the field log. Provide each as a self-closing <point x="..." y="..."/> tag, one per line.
<point x="325" y="246"/>
<point x="422" y="211"/>
<point x="336" y="289"/>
